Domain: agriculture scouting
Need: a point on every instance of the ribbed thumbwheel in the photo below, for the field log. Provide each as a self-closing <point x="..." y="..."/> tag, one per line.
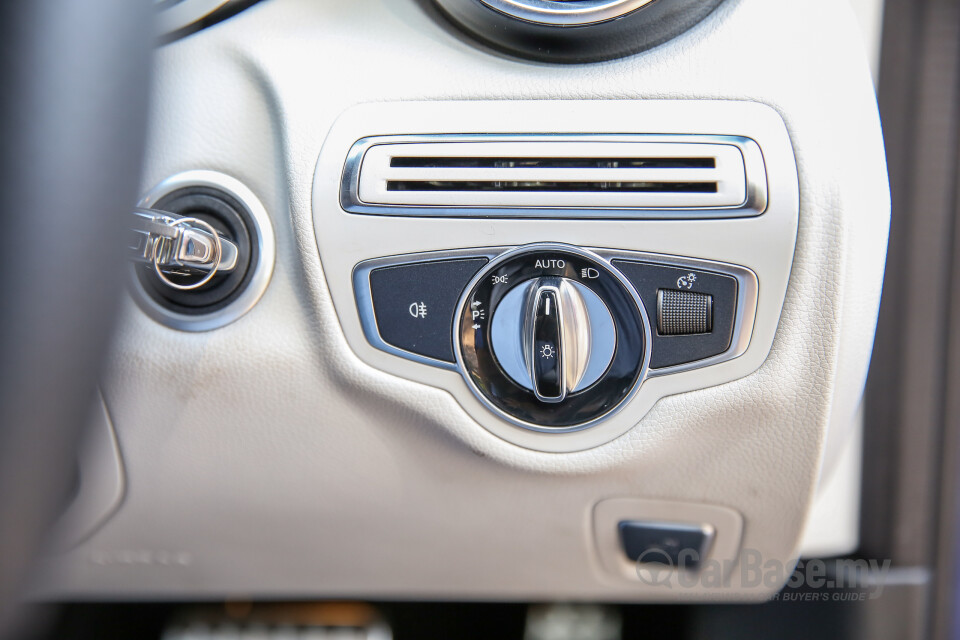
<point x="682" y="313"/>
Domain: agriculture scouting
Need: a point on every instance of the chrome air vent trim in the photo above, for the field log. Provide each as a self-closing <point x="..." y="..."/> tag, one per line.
<point x="569" y="176"/>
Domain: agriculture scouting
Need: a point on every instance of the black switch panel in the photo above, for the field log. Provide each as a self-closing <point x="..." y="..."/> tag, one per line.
<point x="414" y="304"/>
<point x="669" y="350"/>
<point x="676" y="545"/>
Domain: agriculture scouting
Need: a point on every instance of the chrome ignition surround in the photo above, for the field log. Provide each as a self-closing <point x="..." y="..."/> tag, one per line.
<point x="261" y="233"/>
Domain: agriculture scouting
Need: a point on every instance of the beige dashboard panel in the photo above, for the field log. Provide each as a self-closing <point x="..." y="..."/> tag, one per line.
<point x="281" y="456"/>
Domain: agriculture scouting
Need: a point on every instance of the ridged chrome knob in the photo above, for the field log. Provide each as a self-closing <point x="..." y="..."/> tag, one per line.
<point x="553" y="336"/>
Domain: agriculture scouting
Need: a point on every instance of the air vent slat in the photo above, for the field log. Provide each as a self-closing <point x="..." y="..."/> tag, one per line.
<point x="558" y="187"/>
<point x="563" y="172"/>
<point x="536" y="174"/>
<point x="555" y="163"/>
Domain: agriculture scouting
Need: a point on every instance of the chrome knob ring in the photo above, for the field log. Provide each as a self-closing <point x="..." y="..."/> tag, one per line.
<point x="552" y="337"/>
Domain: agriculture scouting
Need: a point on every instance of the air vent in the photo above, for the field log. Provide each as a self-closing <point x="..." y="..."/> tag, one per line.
<point x="572" y="176"/>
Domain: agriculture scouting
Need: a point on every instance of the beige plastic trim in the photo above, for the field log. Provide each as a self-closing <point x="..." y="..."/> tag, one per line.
<point x="101" y="479"/>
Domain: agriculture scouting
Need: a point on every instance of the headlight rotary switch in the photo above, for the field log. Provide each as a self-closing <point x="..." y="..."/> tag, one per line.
<point x="551" y="337"/>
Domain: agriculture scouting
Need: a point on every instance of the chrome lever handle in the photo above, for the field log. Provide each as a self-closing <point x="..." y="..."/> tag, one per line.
<point x="177" y="245"/>
<point x="557" y="340"/>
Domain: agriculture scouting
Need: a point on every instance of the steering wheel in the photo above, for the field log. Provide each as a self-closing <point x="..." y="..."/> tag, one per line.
<point x="75" y="78"/>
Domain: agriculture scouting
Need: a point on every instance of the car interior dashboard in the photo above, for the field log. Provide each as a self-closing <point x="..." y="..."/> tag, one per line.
<point x="473" y="300"/>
